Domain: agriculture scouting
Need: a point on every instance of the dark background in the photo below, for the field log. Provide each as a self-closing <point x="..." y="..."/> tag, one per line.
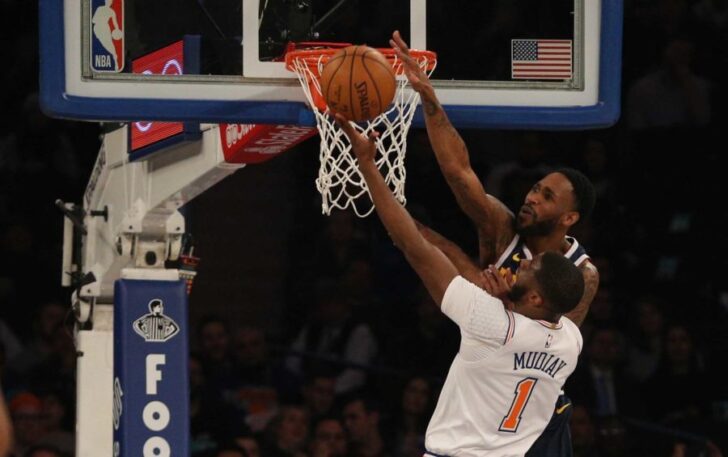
<point x="658" y="230"/>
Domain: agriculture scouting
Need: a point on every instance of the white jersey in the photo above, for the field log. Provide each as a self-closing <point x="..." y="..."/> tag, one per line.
<point x="504" y="382"/>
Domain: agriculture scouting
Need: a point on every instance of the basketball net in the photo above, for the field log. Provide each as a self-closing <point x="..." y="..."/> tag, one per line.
<point x="339" y="181"/>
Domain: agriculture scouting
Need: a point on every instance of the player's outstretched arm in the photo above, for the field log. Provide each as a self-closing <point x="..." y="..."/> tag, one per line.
<point x="465" y="265"/>
<point x="432" y="266"/>
<point x="591" y="284"/>
<point x="451" y="152"/>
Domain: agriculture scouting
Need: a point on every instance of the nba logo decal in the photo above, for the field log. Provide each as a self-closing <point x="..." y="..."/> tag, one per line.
<point x="155" y="327"/>
<point x="107" y="35"/>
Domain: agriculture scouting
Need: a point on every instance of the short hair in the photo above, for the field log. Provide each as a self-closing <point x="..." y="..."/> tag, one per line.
<point x="584" y="194"/>
<point x="560" y="281"/>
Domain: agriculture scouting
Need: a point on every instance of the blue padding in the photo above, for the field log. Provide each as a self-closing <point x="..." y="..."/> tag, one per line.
<point x="151" y="387"/>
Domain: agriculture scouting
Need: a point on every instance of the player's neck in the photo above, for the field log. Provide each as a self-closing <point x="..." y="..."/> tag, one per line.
<point x="539" y="314"/>
<point x="553" y="242"/>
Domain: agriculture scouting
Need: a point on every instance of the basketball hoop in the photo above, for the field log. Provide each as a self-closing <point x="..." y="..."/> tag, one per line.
<point x="339" y="181"/>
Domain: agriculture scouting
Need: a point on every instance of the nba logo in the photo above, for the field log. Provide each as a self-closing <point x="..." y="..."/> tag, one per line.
<point x="107" y="40"/>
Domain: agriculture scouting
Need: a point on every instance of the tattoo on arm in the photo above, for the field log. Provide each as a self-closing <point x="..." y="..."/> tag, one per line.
<point x="430" y="107"/>
<point x="591" y="284"/>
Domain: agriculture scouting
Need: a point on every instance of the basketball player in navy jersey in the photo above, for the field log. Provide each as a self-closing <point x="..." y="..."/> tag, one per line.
<point x="551" y="208"/>
<point x="503" y="382"/>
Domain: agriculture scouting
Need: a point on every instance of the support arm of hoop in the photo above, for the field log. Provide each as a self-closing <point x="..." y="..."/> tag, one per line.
<point x="143" y="199"/>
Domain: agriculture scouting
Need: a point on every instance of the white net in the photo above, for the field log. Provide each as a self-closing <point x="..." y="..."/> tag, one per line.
<point x="339" y="181"/>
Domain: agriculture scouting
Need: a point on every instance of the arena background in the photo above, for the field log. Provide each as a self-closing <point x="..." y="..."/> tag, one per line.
<point x="271" y="261"/>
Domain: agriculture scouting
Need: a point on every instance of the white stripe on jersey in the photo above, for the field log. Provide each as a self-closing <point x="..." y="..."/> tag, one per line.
<point x="508" y="251"/>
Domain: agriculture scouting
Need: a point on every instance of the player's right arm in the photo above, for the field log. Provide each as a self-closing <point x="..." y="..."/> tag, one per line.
<point x="490" y="215"/>
<point x="432" y="266"/>
<point x="591" y="284"/>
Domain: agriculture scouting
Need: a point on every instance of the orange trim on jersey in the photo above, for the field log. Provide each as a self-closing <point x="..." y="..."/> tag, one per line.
<point x="511" y="327"/>
<point x="551" y="325"/>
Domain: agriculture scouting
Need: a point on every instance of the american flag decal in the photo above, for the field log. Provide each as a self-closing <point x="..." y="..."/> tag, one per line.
<point x="541" y="59"/>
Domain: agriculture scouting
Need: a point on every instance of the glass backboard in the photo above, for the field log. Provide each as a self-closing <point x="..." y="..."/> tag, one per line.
<point x="501" y="63"/>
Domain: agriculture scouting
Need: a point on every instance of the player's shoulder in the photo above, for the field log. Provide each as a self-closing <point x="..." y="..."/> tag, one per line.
<point x="576" y="252"/>
<point x="572" y="330"/>
<point x="564" y="324"/>
<point x="590" y="272"/>
<point x="462" y="290"/>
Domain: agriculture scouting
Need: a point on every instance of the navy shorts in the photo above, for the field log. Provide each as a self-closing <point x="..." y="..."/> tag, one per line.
<point x="555" y="441"/>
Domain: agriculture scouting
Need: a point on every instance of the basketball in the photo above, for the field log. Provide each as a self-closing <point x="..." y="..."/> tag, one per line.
<point x="358" y="83"/>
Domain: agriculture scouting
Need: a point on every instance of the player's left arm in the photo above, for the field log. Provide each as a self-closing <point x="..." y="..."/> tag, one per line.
<point x="591" y="284"/>
<point x="431" y="265"/>
<point x="465" y="265"/>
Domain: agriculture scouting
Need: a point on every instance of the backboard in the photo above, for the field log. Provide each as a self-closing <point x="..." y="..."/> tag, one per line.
<point x="551" y="64"/>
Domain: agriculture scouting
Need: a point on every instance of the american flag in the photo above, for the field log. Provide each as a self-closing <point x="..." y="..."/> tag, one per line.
<point x="541" y="59"/>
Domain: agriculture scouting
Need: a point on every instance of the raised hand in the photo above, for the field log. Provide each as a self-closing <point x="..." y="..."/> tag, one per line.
<point x="496" y="285"/>
<point x="365" y="148"/>
<point x="416" y="76"/>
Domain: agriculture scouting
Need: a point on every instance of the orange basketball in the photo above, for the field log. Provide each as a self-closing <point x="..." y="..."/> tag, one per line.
<point x="358" y="82"/>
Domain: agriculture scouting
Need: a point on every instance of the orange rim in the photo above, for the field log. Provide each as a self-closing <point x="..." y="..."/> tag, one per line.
<point x="313" y="57"/>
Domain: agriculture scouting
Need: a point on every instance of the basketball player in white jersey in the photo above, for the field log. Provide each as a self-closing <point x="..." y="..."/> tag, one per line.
<point x="499" y="394"/>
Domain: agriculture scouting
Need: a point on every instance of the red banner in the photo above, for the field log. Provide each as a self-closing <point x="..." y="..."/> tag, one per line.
<point x="255" y="143"/>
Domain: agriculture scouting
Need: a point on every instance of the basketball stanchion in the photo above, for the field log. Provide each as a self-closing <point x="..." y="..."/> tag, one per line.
<point x="339" y="181"/>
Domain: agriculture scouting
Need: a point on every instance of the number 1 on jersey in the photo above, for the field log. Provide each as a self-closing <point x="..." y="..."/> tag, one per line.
<point x="523" y="393"/>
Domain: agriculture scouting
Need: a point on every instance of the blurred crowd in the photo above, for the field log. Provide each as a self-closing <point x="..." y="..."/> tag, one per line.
<point x="355" y="365"/>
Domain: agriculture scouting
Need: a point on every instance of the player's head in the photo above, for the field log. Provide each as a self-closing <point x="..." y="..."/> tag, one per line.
<point x="156" y="306"/>
<point x="547" y="286"/>
<point x="555" y="203"/>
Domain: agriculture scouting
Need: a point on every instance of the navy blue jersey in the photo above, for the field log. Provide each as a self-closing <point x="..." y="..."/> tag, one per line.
<point x="518" y="250"/>
<point x="555" y="440"/>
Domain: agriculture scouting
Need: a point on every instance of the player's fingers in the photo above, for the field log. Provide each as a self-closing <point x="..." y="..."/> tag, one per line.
<point x="408" y="61"/>
<point x="508" y="276"/>
<point x="372" y="137"/>
<point x="412" y="76"/>
<point x="502" y="282"/>
<point x="488" y="283"/>
<point x="345" y="125"/>
<point x="341" y="120"/>
<point x="397" y="37"/>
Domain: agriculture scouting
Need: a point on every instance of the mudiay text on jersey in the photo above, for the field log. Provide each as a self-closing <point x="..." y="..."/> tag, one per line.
<point x="543" y="361"/>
